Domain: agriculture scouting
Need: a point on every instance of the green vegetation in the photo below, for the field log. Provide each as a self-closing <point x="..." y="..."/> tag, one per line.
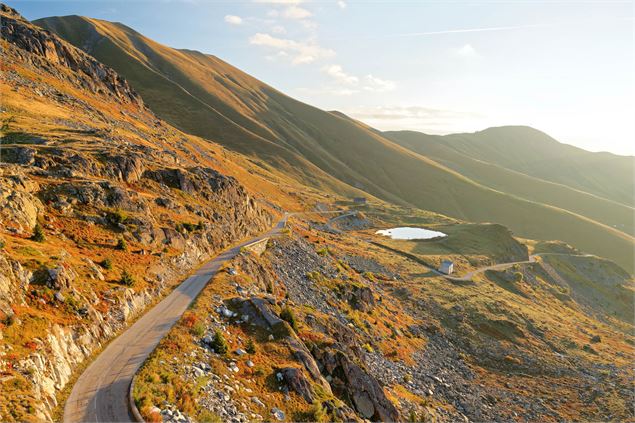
<point x="251" y="347"/>
<point x="206" y="416"/>
<point x="198" y="329"/>
<point x="38" y="233"/>
<point x="122" y="245"/>
<point x="287" y="315"/>
<point x="117" y="217"/>
<point x="218" y="343"/>
<point x="517" y="181"/>
<point x="6" y="124"/>
<point x="126" y="278"/>
<point x="106" y="263"/>
<point x="318" y="413"/>
<point x="189" y="227"/>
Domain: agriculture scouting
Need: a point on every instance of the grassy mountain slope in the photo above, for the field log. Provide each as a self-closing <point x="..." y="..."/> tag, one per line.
<point x="203" y="95"/>
<point x="535" y="153"/>
<point x="608" y="212"/>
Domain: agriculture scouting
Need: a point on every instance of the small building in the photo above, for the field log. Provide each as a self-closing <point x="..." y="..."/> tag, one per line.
<point x="359" y="200"/>
<point x="447" y="267"/>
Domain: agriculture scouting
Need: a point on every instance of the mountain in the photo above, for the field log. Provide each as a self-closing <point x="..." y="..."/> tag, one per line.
<point x="203" y="95"/>
<point x="103" y="206"/>
<point x="534" y="153"/>
<point x="480" y="165"/>
<point x="125" y="242"/>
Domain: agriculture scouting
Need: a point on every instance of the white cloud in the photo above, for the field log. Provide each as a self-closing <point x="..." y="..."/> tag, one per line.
<point x="347" y="84"/>
<point x="372" y="83"/>
<point x="341" y="4"/>
<point x="467" y="51"/>
<point x="300" y="52"/>
<point x="233" y="19"/>
<point x="336" y="72"/>
<point x="295" y="12"/>
<point x="278" y="29"/>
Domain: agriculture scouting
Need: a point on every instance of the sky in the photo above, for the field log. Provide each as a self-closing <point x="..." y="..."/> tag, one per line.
<point x="564" y="67"/>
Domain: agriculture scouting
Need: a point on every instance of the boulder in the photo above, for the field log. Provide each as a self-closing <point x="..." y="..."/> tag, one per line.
<point x="60" y="277"/>
<point x="298" y="382"/>
<point x="354" y="384"/>
<point x="18" y="209"/>
<point x="128" y="168"/>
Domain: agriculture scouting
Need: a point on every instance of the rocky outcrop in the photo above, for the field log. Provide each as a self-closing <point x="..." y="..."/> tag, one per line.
<point x="19" y="207"/>
<point x="41" y="47"/>
<point x="65" y="348"/>
<point x="352" y="383"/>
<point x="298" y="382"/>
<point x="128" y="168"/>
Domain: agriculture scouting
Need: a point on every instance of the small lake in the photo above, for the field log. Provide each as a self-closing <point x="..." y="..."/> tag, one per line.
<point x="410" y="233"/>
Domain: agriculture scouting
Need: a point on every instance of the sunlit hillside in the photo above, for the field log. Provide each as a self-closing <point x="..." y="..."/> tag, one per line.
<point x="203" y="95"/>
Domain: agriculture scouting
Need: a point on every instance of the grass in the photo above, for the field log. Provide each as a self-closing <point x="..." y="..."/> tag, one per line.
<point x="501" y="171"/>
<point x="327" y="151"/>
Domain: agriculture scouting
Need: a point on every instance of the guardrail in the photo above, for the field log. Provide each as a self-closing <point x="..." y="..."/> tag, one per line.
<point x="257" y="247"/>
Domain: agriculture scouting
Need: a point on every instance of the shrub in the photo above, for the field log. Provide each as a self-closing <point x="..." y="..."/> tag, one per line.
<point x="251" y="347"/>
<point x="318" y="413"/>
<point x="188" y="227"/>
<point x="126" y="278"/>
<point x="190" y="319"/>
<point x="368" y="348"/>
<point x="287" y="315"/>
<point x="38" y="233"/>
<point x="200" y="226"/>
<point x="518" y="277"/>
<point x="323" y="251"/>
<point x="106" y="263"/>
<point x="121" y="245"/>
<point x="2" y="243"/>
<point x="151" y="416"/>
<point x="198" y="330"/>
<point x="117" y="217"/>
<point x="218" y="343"/>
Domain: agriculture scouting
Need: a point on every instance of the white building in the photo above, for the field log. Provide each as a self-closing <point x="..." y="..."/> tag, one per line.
<point x="446" y="267"/>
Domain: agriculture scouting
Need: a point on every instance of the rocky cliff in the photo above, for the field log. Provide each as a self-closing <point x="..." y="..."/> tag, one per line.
<point x="103" y="207"/>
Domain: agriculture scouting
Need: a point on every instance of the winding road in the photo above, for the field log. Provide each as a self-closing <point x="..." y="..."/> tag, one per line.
<point x="101" y="392"/>
<point x="502" y="266"/>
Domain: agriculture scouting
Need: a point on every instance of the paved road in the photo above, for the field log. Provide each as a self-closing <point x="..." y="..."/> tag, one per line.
<point x="502" y="266"/>
<point x="101" y="392"/>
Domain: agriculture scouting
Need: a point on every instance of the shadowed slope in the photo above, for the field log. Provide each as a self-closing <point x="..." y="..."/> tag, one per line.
<point x="532" y="188"/>
<point x="203" y="95"/>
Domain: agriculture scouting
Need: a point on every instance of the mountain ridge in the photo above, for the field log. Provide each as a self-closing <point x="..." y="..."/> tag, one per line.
<point x="318" y="148"/>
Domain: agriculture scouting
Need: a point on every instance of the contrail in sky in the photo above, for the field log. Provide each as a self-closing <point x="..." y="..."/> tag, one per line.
<point x="459" y="31"/>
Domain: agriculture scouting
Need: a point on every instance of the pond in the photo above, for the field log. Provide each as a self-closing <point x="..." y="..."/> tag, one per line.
<point x="410" y="233"/>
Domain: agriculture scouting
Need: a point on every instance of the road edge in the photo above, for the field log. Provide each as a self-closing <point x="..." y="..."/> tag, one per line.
<point x="131" y="403"/>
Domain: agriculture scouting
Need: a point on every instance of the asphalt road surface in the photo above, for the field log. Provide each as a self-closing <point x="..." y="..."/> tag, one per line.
<point x="101" y="392"/>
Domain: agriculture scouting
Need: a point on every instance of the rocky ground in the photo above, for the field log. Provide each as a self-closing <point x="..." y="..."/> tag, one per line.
<point x="382" y="347"/>
<point x="102" y="209"/>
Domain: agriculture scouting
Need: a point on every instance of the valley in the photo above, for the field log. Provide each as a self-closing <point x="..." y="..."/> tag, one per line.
<point x="180" y="242"/>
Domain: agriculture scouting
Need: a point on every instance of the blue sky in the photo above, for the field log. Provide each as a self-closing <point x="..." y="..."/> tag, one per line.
<point x="563" y="67"/>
